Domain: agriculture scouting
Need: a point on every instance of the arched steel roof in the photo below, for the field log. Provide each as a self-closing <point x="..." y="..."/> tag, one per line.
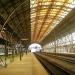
<point x="16" y="14"/>
<point x="47" y="14"/>
<point x="34" y="19"/>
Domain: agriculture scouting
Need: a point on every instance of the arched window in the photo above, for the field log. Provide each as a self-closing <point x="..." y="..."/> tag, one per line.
<point x="35" y="47"/>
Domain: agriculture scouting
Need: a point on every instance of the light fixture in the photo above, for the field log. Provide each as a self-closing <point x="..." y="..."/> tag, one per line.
<point x="4" y="28"/>
<point x="24" y="39"/>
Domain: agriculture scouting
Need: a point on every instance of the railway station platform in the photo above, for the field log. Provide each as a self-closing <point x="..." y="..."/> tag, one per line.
<point x="29" y="65"/>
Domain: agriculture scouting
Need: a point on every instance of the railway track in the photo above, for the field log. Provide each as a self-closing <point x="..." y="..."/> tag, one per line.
<point x="70" y="59"/>
<point x="51" y="67"/>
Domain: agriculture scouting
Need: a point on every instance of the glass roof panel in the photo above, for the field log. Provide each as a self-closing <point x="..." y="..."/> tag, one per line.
<point x="47" y="14"/>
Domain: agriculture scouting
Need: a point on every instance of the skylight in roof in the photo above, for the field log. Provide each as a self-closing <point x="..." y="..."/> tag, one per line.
<point x="47" y="14"/>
